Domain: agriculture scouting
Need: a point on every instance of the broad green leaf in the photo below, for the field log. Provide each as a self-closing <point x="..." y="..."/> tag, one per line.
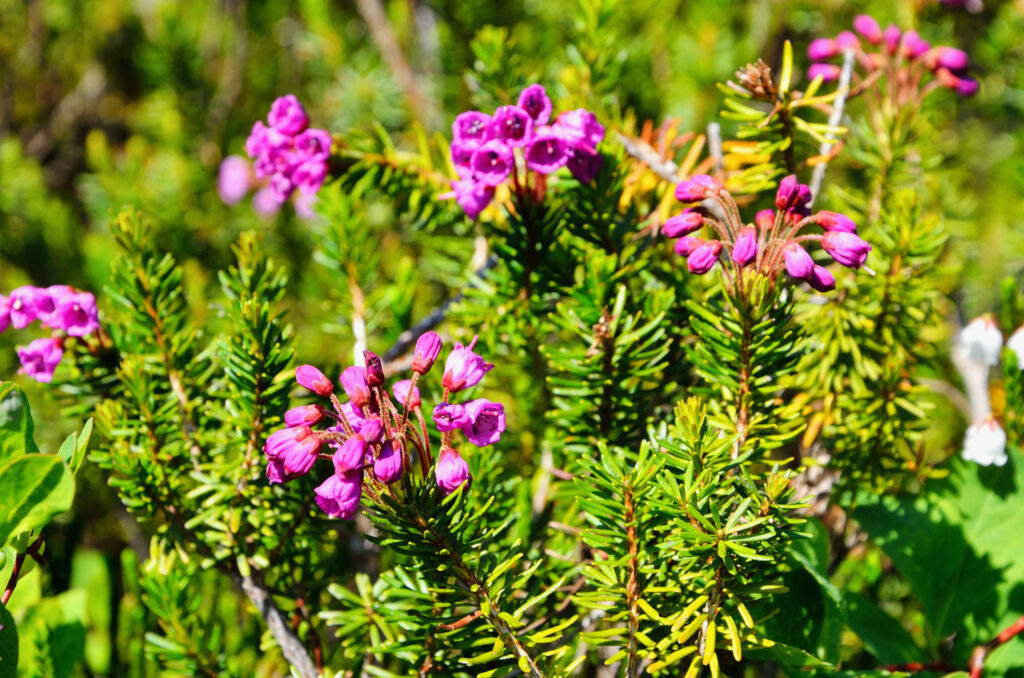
<point x="788" y="656"/>
<point x="959" y="547"/>
<point x="883" y="636"/>
<point x="8" y="645"/>
<point x="33" y="489"/>
<point x="72" y="451"/>
<point x="16" y="426"/>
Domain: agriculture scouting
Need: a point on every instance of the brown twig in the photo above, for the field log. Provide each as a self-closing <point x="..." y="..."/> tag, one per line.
<point x="19" y="561"/>
<point x="982" y="652"/>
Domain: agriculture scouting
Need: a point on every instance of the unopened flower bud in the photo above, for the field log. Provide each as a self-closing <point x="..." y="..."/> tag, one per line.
<point x="703" y="259"/>
<point x="847" y="40"/>
<point x="791" y="193"/>
<point x="388" y="466"/>
<point x="451" y="470"/>
<point x="401" y="391"/>
<point x="822" y="48"/>
<point x="683" y="224"/>
<point x="356" y="385"/>
<point x="306" y="415"/>
<point x="313" y="379"/>
<point x="349" y="455"/>
<point x="950" y="57"/>
<point x="287" y="115"/>
<point x="833" y="221"/>
<point x="827" y="72"/>
<point x="428" y="347"/>
<point x="798" y="262"/>
<point x="744" y="250"/>
<point x="696" y="188"/>
<point x="374" y="369"/>
<point x="892" y="37"/>
<point x="764" y="219"/>
<point x="685" y="246"/>
<point x="868" y="27"/>
<point x="913" y="45"/>
<point x="371" y="429"/>
<point x="821" y="279"/>
<point x="846" y="248"/>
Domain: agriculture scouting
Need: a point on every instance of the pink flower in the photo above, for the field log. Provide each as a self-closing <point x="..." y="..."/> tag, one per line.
<point x="267" y="201"/>
<point x="492" y="162"/>
<point x="703" y="259"/>
<point x="451" y="470"/>
<point x="547" y="151"/>
<point x="76" y="314"/>
<point x="868" y="27"/>
<point x="40" y="358"/>
<point x="821" y="279"/>
<point x="371" y="429"/>
<point x="234" y="179"/>
<point x="309" y="176"/>
<point x="24" y="305"/>
<point x="484" y="422"/>
<point x="798" y="262"/>
<point x="892" y="37"/>
<point x="534" y="100"/>
<point x="913" y="45"/>
<point x="388" y="465"/>
<point x="449" y="417"/>
<point x="512" y="125"/>
<point x="846" y="248"/>
<point x="822" y="48"/>
<point x="764" y="219"/>
<point x="287" y="115"/>
<point x="462" y="155"/>
<point x="5" y="313"/>
<point x="339" y="495"/>
<point x="464" y="368"/>
<point x="686" y="245"/>
<point x="581" y="125"/>
<point x="689" y="221"/>
<point x="792" y="194"/>
<point x="472" y="196"/>
<point x="354" y="415"/>
<point x="950" y="57"/>
<point x="304" y="415"/>
<point x="584" y="163"/>
<point x="353" y="380"/>
<point x="298" y="459"/>
<point x="833" y="221"/>
<point x="313" y="379"/>
<point x="374" y="369"/>
<point x="428" y="347"/>
<point x="350" y="455"/>
<point x="471" y="125"/>
<point x="847" y="40"/>
<point x="313" y="144"/>
<point x="280" y="441"/>
<point x="696" y="188"/>
<point x="827" y="72"/>
<point x="744" y="250"/>
<point x="401" y="391"/>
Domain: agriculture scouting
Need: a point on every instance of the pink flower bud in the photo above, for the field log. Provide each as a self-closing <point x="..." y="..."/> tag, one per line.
<point x="744" y="250"/>
<point x="401" y="391"/>
<point x="449" y="417"/>
<point x="371" y="429"/>
<point x="388" y="465"/>
<point x="350" y="454"/>
<point x="471" y="125"/>
<point x="234" y="179"/>
<point x="492" y="162"/>
<point x="798" y="262"/>
<point x="584" y="163"/>
<point x="827" y="72"/>
<point x="428" y="347"/>
<point x="473" y="197"/>
<point x="822" y="48"/>
<point x="786" y="195"/>
<point x="305" y="415"/>
<point x="374" y="369"/>
<point x="534" y="100"/>
<point x="868" y="27"/>
<point x="703" y="259"/>
<point x="313" y="379"/>
<point x="339" y="495"/>
<point x="287" y="115"/>
<point x="696" y="188"/>
<point x="950" y="57"/>
<point x="846" y="248"/>
<point x="764" y="219"/>
<point x="451" y="470"/>
<point x="683" y="224"/>
<point x="847" y="40"/>
<point x="484" y="422"/>
<point x="686" y="245"/>
<point x="5" y="313"/>
<point x="913" y="45"/>
<point x="298" y="458"/>
<point x="821" y="279"/>
<point x="511" y="125"/>
<point x="892" y="37"/>
<point x="464" y="368"/>
<point x="357" y="388"/>
<point x="833" y="221"/>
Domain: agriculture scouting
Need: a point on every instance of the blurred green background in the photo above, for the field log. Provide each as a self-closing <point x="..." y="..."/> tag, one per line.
<point x="105" y="103"/>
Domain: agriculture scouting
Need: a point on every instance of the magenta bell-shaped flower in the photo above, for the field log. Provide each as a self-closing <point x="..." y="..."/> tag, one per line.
<point x="313" y="379"/>
<point x="547" y="151"/>
<point x="350" y="454"/>
<point x="371" y="429"/>
<point x="492" y="162"/>
<point x="846" y="248"/>
<point x="511" y="125"/>
<point x="388" y="465"/>
<point x="449" y="417"/>
<point x="287" y="115"/>
<point x="798" y="262"/>
<point x="833" y="221"/>
<point x="822" y="48"/>
<point x="353" y="380"/>
<point x="821" y="279"/>
<point x="428" y="347"/>
<point x="40" y="358"/>
<point x="892" y="37"/>
<point x="827" y="72"/>
<point x="462" y="156"/>
<point x="451" y="470"/>
<point x="473" y="197"/>
<point x="401" y="391"/>
<point x="339" y="495"/>
<point x="686" y="245"/>
<point x="580" y="125"/>
<point x="484" y="422"/>
<point x="464" y="368"/>
<point x="744" y="250"/>
<point x="703" y="259"/>
<point x="76" y="314"/>
<point x="868" y="27"/>
<point x="584" y="163"/>
<point x="534" y="100"/>
<point x="471" y="125"/>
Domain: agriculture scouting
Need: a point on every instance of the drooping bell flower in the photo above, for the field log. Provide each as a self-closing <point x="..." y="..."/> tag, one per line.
<point x="584" y="163"/>
<point x="309" y="176"/>
<point x="462" y="155"/>
<point x="798" y="262"/>
<point x="449" y="417"/>
<point x="821" y="279"/>
<point x="339" y="495"/>
<point x="401" y="391"/>
<point x="846" y="248"/>
<point x="511" y="125"/>
<point x="24" y="305"/>
<point x="492" y="162"/>
<point x="388" y="465"/>
<point x="472" y="196"/>
<point x="76" y="314"/>
<point x="428" y="347"/>
<point x="985" y="443"/>
<point x="349" y="456"/>
<point x="313" y="379"/>
<point x="353" y="380"/>
<point x="484" y="422"/>
<point x="313" y="144"/>
<point x="287" y="115"/>
<point x="547" y="151"/>
<point x="371" y="429"/>
<point x="464" y="368"/>
<point x="833" y="221"/>
<point x="451" y="470"/>
<point x="982" y="340"/>
<point x="534" y="100"/>
<point x="40" y="358"/>
<point x="744" y="250"/>
<point x="703" y="259"/>
<point x="581" y="125"/>
<point x="471" y="125"/>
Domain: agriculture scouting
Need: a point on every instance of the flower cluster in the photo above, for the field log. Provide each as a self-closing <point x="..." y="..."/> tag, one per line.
<point x="286" y="152"/>
<point x="518" y="140"/>
<point x="60" y="308"/>
<point x="903" y="57"/>
<point x="368" y="439"/>
<point x="772" y="243"/>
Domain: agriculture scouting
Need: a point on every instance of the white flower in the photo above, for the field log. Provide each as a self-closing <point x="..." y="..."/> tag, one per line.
<point x="985" y="443"/>
<point x="982" y="340"/>
<point x="1016" y="344"/>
